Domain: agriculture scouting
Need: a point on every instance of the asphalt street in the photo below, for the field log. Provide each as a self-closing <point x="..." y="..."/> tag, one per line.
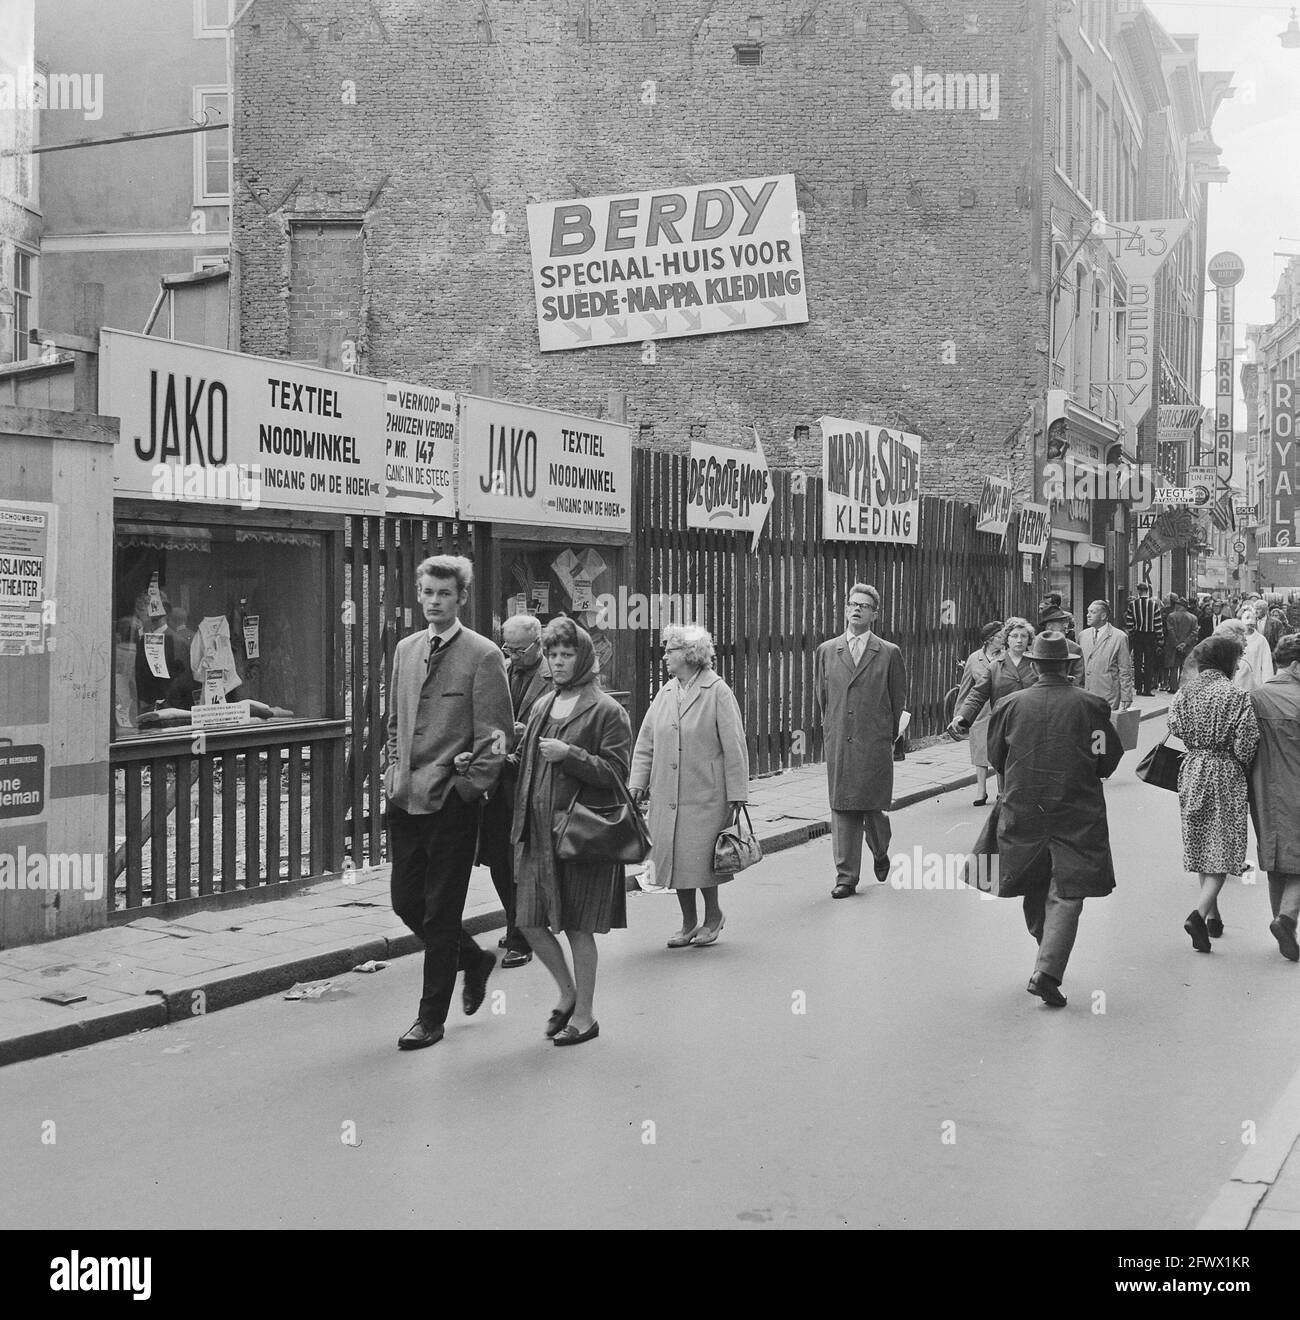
<point x="869" y="1062"/>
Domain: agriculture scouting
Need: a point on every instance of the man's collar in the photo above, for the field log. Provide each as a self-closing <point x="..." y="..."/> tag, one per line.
<point x="447" y="634"/>
<point x="850" y="635"/>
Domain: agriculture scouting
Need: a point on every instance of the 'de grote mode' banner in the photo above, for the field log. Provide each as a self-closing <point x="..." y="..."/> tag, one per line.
<point x="659" y="265"/>
<point x="228" y="428"/>
<point x="531" y="465"/>
<point x="871" y="483"/>
<point x="728" y="490"/>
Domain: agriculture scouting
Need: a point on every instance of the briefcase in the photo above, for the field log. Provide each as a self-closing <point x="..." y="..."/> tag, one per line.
<point x="1126" y="724"/>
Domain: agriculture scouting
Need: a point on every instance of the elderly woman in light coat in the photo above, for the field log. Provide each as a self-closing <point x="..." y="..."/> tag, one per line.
<point x="691" y="762"/>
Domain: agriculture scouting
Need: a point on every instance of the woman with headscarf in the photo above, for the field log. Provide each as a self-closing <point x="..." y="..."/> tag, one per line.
<point x="577" y="738"/>
<point x="976" y="667"/>
<point x="1008" y="673"/>
<point x="1215" y="720"/>
<point x="692" y="763"/>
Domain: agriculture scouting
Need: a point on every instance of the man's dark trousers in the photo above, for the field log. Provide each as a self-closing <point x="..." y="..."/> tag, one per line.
<point x="432" y="857"/>
<point x="498" y="815"/>
<point x="1147" y="651"/>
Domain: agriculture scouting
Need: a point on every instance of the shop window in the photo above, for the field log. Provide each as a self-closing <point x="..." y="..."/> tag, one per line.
<point x="215" y="613"/>
<point x="555" y="577"/>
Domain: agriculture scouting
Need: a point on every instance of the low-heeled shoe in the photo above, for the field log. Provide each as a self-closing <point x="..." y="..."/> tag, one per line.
<point x="571" y="1036"/>
<point x="1046" y="989"/>
<point x="1283" y="929"/>
<point x="843" y="891"/>
<point x="419" y="1037"/>
<point x="475" y="987"/>
<point x="558" y="1020"/>
<point x="1195" y="927"/>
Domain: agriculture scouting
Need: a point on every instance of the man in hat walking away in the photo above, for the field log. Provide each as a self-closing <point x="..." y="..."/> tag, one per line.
<point x="1053" y="744"/>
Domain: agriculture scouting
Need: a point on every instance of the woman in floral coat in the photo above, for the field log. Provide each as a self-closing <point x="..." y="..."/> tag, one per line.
<point x="1217" y="724"/>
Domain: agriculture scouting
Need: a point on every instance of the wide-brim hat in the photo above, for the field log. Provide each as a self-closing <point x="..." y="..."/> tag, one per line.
<point x="1049" y="646"/>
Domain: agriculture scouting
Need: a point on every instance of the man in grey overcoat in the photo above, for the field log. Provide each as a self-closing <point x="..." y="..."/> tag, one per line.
<point x="1053" y="744"/>
<point x="860" y="687"/>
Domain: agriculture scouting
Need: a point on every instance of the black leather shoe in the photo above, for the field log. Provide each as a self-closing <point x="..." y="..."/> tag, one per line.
<point x="882" y="869"/>
<point x="1283" y="929"/>
<point x="1214" y="925"/>
<point x="476" y="983"/>
<point x="1195" y="927"/>
<point x="558" y="1020"/>
<point x="572" y="1036"/>
<point x="1046" y="989"/>
<point x="419" y="1037"/>
<point x="843" y="891"/>
<point x="517" y="958"/>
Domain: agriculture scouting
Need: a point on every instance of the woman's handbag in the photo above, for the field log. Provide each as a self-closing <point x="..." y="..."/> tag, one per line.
<point x="609" y="832"/>
<point x="737" y="846"/>
<point x="1160" y="766"/>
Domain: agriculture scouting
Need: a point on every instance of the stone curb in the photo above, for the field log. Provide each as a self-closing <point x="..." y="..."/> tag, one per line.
<point x="175" y="1001"/>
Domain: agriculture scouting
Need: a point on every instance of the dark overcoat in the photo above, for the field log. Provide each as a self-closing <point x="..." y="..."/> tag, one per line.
<point x="599" y="735"/>
<point x="1275" y="773"/>
<point x="859" y="708"/>
<point x="1053" y="744"/>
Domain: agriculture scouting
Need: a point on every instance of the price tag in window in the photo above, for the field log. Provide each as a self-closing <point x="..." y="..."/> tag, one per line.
<point x="155" y="654"/>
<point x="214" y="688"/>
<point x="252" y="633"/>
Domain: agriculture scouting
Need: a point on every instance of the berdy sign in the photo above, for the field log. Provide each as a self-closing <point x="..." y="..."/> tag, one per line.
<point x="1140" y="248"/>
<point x="1035" y="528"/>
<point x="871" y="482"/>
<point x="659" y="265"/>
<point x="193" y="418"/>
<point x="520" y="464"/>
<point x="728" y="489"/>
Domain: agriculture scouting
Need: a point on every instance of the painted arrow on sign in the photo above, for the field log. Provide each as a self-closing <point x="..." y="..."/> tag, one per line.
<point x="431" y="496"/>
<point x="618" y="324"/>
<point x="658" y="324"/>
<point x="777" y="309"/>
<point x="736" y="317"/>
<point x="692" y="319"/>
<point x="582" y="332"/>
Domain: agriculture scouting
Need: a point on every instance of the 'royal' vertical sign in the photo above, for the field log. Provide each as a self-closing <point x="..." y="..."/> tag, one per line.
<point x="1282" y="470"/>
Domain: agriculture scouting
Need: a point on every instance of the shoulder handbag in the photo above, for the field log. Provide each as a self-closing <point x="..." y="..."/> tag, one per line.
<point x="608" y="832"/>
<point x="1160" y="766"/>
<point x="737" y="846"/>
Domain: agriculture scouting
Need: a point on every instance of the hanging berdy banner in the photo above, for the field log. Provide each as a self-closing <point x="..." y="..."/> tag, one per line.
<point x="994" y="513"/>
<point x="728" y="490"/>
<point x="419" y="439"/>
<point x="871" y="483"/>
<point x="206" y="425"/>
<point x="1140" y="248"/>
<point x="530" y="465"/>
<point x="1035" y="528"/>
<point x="658" y="265"/>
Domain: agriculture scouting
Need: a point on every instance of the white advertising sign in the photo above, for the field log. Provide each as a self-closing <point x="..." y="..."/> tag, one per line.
<point x="871" y="483"/>
<point x="728" y="490"/>
<point x="207" y="425"/>
<point x="530" y="465"/>
<point x="994" y="513"/>
<point x="419" y="439"/>
<point x="659" y="265"/>
<point x="1035" y="528"/>
<point x="1140" y="248"/>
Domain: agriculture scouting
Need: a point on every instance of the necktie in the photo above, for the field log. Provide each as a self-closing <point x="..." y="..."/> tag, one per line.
<point x="435" y="645"/>
<point x="855" y="649"/>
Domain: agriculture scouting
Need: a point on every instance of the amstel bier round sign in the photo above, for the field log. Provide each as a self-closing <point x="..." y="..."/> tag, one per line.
<point x="1226" y="269"/>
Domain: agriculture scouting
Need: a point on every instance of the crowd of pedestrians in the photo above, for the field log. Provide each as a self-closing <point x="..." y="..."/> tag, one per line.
<point x="515" y="757"/>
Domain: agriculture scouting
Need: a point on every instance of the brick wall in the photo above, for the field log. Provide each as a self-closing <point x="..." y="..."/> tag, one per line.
<point x="325" y="292"/>
<point x="447" y="128"/>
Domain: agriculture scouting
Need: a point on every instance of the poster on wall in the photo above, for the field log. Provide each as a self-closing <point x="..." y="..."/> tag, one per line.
<point x="994" y="513"/>
<point x="520" y="464"/>
<point x="419" y="440"/>
<point x="28" y="534"/>
<point x="871" y="482"/>
<point x="694" y="260"/>
<point x="206" y="425"/>
<point x="1035" y="529"/>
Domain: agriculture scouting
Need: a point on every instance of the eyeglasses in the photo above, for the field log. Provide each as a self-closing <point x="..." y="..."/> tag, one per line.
<point x="668" y="650"/>
<point x="863" y="605"/>
<point x="516" y="650"/>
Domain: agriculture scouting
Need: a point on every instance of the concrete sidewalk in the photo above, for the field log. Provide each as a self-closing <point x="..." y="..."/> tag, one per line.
<point x="69" y="992"/>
